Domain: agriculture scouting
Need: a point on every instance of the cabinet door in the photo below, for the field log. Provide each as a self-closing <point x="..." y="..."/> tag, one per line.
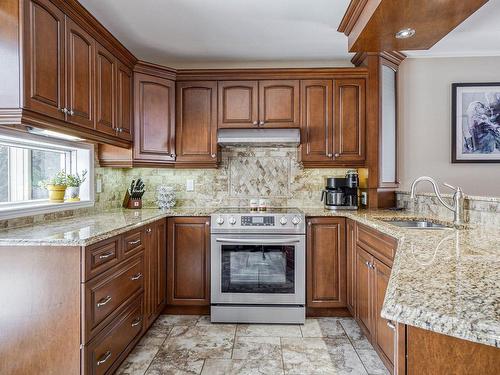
<point x="161" y="266"/>
<point x="124" y="95"/>
<point x="317" y="117"/>
<point x="279" y="104"/>
<point x="44" y="85"/>
<point x="349" y="120"/>
<point x="384" y="335"/>
<point x="351" y="265"/>
<point x="154" y="118"/>
<point x="188" y="269"/>
<point x="363" y="290"/>
<point x="196" y="127"/>
<point x="105" y="91"/>
<point x="238" y="104"/>
<point x="80" y="75"/>
<point x="326" y="262"/>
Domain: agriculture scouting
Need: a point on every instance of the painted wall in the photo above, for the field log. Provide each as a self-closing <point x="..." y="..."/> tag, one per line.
<point x="424" y="100"/>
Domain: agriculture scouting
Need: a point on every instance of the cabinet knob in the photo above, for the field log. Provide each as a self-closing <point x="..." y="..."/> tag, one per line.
<point x="207" y="223"/>
<point x="71" y="113"/>
<point x="214" y="155"/>
<point x="64" y="110"/>
<point x="172" y="156"/>
<point x="256" y="123"/>
<point x="336" y="155"/>
<point x="329" y="155"/>
<point x="261" y="123"/>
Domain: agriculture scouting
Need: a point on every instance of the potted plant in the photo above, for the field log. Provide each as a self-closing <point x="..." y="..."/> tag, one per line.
<point x="74" y="181"/>
<point x="56" y="186"/>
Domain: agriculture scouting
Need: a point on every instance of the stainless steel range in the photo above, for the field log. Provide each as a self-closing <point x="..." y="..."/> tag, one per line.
<point x="258" y="266"/>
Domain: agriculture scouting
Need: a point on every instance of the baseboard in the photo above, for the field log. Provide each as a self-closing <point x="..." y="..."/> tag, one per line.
<point x="317" y="312"/>
<point x="186" y="310"/>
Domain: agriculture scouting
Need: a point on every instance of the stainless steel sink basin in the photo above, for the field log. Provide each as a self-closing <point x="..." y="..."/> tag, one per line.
<point x="416" y="224"/>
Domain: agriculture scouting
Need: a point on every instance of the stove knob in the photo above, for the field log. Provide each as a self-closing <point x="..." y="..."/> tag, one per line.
<point x="295" y="220"/>
<point x="232" y="220"/>
<point x="220" y="220"/>
<point x="283" y="220"/>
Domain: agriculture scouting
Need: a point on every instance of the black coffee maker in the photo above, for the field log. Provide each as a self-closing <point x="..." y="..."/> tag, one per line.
<point x="341" y="192"/>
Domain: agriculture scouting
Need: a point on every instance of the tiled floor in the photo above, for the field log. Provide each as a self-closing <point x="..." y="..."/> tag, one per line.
<point x="190" y="344"/>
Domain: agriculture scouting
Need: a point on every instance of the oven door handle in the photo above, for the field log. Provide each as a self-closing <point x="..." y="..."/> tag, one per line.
<point x="267" y="241"/>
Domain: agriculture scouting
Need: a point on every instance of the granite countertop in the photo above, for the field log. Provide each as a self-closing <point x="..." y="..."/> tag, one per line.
<point x="446" y="281"/>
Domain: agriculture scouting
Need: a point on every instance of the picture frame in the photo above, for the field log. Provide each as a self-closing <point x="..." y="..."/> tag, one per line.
<point x="475" y="122"/>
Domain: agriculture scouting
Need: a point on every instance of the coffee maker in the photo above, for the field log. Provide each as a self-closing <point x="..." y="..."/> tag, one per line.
<point x="341" y="192"/>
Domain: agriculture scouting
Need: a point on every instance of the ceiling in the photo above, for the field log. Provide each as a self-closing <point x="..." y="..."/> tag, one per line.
<point x="237" y="33"/>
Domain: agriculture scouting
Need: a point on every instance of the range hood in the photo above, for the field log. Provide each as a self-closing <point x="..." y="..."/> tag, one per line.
<point x="258" y="137"/>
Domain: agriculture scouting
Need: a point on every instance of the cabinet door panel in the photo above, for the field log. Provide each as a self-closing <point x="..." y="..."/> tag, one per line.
<point x="154" y="118"/>
<point x="80" y="75"/>
<point x="238" y="104"/>
<point x="105" y="91"/>
<point x="161" y="266"/>
<point x="124" y="95"/>
<point x="350" y="119"/>
<point x="384" y="335"/>
<point x="196" y="127"/>
<point x="326" y="266"/>
<point x="279" y="103"/>
<point x="351" y="265"/>
<point x="363" y="290"/>
<point x="316" y="124"/>
<point x="44" y="60"/>
<point x="188" y="261"/>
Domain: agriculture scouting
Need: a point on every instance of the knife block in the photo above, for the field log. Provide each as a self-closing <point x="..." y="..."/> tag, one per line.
<point x="129" y="202"/>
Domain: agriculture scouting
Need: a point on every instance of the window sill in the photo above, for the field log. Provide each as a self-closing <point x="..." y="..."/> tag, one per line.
<point x="40" y="208"/>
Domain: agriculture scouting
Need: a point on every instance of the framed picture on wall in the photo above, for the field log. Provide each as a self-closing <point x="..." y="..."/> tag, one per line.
<point x="475" y="122"/>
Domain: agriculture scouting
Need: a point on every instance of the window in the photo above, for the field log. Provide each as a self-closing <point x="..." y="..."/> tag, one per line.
<point x="27" y="159"/>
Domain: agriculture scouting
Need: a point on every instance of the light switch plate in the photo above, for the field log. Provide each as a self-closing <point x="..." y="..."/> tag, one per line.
<point x="98" y="185"/>
<point x="190" y="185"/>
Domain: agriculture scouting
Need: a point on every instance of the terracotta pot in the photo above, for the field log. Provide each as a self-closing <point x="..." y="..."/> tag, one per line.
<point x="73" y="193"/>
<point x="56" y="193"/>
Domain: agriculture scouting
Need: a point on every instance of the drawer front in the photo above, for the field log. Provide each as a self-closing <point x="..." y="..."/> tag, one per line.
<point x="106" y="293"/>
<point x="374" y="240"/>
<point x="101" y="256"/>
<point x="133" y="242"/>
<point x="105" y="352"/>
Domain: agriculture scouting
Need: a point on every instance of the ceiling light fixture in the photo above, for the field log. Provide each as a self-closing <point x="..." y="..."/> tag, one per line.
<point x="405" y="33"/>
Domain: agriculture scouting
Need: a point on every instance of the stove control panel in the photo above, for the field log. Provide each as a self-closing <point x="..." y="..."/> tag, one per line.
<point x="257" y="221"/>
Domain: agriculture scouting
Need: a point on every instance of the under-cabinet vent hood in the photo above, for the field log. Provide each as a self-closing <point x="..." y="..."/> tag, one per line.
<point x="258" y="137"/>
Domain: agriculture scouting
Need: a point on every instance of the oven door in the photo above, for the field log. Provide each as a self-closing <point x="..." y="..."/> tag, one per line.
<point x="258" y="269"/>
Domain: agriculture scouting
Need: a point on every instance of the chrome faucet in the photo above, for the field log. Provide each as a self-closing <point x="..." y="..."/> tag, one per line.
<point x="458" y="198"/>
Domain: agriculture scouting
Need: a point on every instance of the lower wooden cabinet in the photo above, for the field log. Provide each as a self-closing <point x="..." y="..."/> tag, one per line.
<point x="188" y="254"/>
<point x="155" y="235"/>
<point x="326" y="263"/>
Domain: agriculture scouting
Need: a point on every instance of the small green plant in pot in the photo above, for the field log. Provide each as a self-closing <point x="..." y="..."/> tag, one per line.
<point x="74" y="181"/>
<point x="56" y="186"/>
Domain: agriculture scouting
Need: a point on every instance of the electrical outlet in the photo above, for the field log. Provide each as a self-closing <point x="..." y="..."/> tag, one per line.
<point x="98" y="185"/>
<point x="190" y="185"/>
<point x="364" y="198"/>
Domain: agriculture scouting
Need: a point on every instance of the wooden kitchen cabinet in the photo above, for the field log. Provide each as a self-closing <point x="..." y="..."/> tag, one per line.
<point x="279" y="103"/>
<point x="188" y="254"/>
<point x="364" y="284"/>
<point x="155" y="235"/>
<point x="105" y="91"/>
<point x="326" y="263"/>
<point x="317" y="120"/>
<point x="351" y="265"/>
<point x="238" y="104"/>
<point x="124" y="101"/>
<point x="196" y="125"/>
<point x="154" y="133"/>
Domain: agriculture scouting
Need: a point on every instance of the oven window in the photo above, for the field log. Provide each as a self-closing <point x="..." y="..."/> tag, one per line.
<point x="258" y="269"/>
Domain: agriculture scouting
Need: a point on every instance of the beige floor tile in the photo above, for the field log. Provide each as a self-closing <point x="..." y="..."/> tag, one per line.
<point x="250" y="347"/>
<point x="344" y="358"/>
<point x="185" y="320"/>
<point x="358" y="340"/>
<point x="138" y="360"/>
<point x="275" y="330"/>
<point x="242" y="367"/>
<point x="372" y="362"/>
<point x="306" y="356"/>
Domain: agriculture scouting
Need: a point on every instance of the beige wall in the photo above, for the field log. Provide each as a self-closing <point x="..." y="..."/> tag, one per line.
<point x="425" y="122"/>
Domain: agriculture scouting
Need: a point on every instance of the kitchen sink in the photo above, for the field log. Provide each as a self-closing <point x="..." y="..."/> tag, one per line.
<point x="416" y="224"/>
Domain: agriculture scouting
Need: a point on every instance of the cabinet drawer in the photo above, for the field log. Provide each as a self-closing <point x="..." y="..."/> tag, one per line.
<point x="105" y="294"/>
<point x="133" y="242"/>
<point x="374" y="240"/>
<point x="101" y="256"/>
<point x="106" y="351"/>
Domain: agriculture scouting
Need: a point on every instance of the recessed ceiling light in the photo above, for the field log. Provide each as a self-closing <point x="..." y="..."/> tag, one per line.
<point x="405" y="33"/>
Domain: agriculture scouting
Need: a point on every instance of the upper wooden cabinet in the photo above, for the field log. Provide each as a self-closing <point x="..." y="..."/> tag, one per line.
<point x="238" y="104"/>
<point x="326" y="262"/>
<point x="196" y="125"/>
<point x="124" y="104"/>
<point x="105" y="91"/>
<point x="279" y="104"/>
<point x="154" y="127"/>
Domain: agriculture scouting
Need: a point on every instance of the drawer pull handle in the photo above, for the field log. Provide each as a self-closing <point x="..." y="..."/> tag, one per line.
<point x="134" y="242"/>
<point x="103" y="301"/>
<point x="105" y="255"/>
<point x="136" y="321"/>
<point x="136" y="276"/>
<point x="391" y="325"/>
<point x="104" y="358"/>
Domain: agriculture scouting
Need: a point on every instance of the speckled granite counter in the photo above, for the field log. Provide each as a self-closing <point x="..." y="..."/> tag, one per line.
<point x="446" y="281"/>
<point x="88" y="229"/>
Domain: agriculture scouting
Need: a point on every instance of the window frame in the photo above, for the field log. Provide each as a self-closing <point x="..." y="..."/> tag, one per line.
<point x="16" y="138"/>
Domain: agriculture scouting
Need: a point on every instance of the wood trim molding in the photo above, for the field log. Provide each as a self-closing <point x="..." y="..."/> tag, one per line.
<point x="393" y="57"/>
<point x="155" y="70"/>
<point x="351" y="16"/>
